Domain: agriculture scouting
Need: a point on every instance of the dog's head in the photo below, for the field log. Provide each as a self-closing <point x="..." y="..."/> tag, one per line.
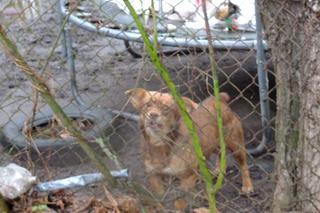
<point x="159" y="114"/>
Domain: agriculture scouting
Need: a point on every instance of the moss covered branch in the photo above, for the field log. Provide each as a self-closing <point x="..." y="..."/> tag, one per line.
<point x="216" y="90"/>
<point x="3" y="205"/>
<point x="41" y="86"/>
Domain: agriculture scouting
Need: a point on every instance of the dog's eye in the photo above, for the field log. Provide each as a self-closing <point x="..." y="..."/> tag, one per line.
<point x="166" y="109"/>
<point x="148" y="104"/>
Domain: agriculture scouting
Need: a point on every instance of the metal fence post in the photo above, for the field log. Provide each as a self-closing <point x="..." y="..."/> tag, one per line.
<point x="263" y="87"/>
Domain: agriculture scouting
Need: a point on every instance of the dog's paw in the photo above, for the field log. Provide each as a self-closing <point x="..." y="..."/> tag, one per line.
<point x="180" y="204"/>
<point x="247" y="189"/>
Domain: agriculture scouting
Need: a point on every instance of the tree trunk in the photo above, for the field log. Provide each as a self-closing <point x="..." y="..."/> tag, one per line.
<point x="292" y="28"/>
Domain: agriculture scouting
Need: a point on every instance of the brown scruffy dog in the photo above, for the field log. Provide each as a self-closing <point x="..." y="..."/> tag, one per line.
<point x="167" y="147"/>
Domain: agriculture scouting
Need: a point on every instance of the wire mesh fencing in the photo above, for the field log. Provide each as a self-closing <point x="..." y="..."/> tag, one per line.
<point x="90" y="53"/>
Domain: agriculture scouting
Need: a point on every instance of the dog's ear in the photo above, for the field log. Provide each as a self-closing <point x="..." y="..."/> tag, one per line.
<point x="190" y="104"/>
<point x="138" y="97"/>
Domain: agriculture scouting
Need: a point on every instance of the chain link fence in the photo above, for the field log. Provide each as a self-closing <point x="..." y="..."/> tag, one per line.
<point x="90" y="53"/>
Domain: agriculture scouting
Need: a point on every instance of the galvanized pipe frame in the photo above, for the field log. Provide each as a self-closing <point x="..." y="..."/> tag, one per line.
<point x="259" y="45"/>
<point x="163" y="39"/>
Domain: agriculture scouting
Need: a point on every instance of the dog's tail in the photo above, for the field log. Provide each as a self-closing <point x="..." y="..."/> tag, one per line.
<point x="224" y="97"/>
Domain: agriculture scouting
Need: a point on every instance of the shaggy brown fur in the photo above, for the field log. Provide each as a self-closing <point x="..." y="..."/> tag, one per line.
<point x="167" y="146"/>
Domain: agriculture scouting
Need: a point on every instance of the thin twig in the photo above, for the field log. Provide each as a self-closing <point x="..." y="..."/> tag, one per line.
<point x="35" y="101"/>
<point x="214" y="68"/>
<point x="109" y="153"/>
<point x="41" y="85"/>
<point x="112" y="200"/>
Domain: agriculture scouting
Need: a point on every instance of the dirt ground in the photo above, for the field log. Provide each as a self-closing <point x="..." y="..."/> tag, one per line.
<point x="105" y="70"/>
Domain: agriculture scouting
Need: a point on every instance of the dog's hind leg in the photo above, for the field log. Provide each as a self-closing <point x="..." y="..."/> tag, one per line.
<point x="236" y="144"/>
<point x="241" y="156"/>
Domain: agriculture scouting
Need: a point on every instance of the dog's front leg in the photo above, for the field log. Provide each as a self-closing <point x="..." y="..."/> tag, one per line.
<point x="187" y="182"/>
<point x="157" y="185"/>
